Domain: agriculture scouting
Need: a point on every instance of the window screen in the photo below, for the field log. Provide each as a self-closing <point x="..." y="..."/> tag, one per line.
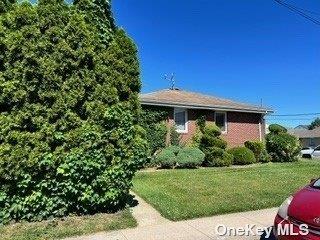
<point x="180" y="119"/>
<point x="220" y="119"/>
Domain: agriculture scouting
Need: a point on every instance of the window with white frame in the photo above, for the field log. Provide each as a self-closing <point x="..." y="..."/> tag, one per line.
<point x="220" y="119"/>
<point x="181" y="120"/>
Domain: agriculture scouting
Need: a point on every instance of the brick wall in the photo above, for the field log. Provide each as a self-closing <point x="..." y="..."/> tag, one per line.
<point x="241" y="127"/>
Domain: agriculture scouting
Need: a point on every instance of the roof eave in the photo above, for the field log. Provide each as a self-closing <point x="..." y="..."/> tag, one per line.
<point x="216" y="108"/>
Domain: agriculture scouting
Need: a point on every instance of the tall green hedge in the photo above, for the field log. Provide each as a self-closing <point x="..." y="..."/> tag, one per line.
<point x="153" y="120"/>
<point x="69" y="138"/>
<point x="282" y="146"/>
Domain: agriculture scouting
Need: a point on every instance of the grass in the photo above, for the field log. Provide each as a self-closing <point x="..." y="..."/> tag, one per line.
<point x="184" y="194"/>
<point x="71" y="226"/>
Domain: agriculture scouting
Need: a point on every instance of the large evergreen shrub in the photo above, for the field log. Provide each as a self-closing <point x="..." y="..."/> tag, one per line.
<point x="282" y="146"/>
<point x="153" y="120"/>
<point x="214" y="147"/>
<point x="69" y="84"/>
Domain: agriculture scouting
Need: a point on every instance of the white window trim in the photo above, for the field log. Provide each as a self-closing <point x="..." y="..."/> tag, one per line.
<point x="186" y="119"/>
<point x="225" y="121"/>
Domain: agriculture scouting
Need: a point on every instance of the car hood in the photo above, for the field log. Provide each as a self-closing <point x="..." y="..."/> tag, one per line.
<point x="305" y="206"/>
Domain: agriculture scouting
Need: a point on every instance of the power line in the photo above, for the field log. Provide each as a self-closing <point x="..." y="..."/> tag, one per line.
<point x="298" y="11"/>
<point x="292" y="119"/>
<point x="294" y="114"/>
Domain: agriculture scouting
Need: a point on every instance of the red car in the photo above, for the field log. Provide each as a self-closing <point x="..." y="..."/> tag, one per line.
<point x="298" y="217"/>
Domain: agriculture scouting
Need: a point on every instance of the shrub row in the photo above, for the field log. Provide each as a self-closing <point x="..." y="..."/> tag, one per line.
<point x="178" y="157"/>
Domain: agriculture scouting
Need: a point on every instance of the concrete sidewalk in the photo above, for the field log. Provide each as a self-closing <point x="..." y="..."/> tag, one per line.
<point x="152" y="226"/>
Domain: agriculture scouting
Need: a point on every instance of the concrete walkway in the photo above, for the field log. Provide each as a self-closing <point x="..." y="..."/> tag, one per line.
<point x="152" y="226"/>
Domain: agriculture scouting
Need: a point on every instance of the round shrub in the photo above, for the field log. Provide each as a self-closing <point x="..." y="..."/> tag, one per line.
<point x="264" y="157"/>
<point x="242" y="156"/>
<point x="256" y="147"/>
<point x="69" y="106"/>
<point x="167" y="157"/>
<point x="212" y="141"/>
<point x="189" y="157"/>
<point x="283" y="147"/>
<point x="212" y="130"/>
<point x="259" y="150"/>
<point x="217" y="157"/>
<point x="276" y="128"/>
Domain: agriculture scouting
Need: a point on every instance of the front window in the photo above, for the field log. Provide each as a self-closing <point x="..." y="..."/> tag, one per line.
<point x="220" y="119"/>
<point x="312" y="142"/>
<point x="181" y="120"/>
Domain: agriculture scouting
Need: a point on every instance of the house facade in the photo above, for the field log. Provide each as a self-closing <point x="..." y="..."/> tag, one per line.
<point x="308" y="138"/>
<point x="239" y="122"/>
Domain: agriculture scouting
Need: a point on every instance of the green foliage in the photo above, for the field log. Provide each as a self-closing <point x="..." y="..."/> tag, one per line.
<point x="190" y="157"/>
<point x="98" y="13"/>
<point x="283" y="147"/>
<point x="264" y="156"/>
<point x="5" y="5"/>
<point x="195" y="140"/>
<point x="212" y="130"/>
<point x="214" y="147"/>
<point x="175" y="137"/>
<point x="314" y="124"/>
<point x="175" y="156"/>
<point x="259" y="150"/>
<point x="208" y="140"/>
<point x="218" y="157"/>
<point x="242" y="156"/>
<point x="167" y="158"/>
<point x="276" y="128"/>
<point x="201" y="122"/>
<point x="153" y="119"/>
<point x="69" y="108"/>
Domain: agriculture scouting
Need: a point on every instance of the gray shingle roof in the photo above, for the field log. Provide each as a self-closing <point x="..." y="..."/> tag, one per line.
<point x="305" y="133"/>
<point x="180" y="98"/>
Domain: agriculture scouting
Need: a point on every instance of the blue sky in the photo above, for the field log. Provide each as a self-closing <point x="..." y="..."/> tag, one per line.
<point x="244" y="50"/>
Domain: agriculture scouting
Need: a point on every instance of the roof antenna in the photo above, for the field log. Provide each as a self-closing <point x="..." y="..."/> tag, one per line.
<point x="171" y="79"/>
<point x="261" y="103"/>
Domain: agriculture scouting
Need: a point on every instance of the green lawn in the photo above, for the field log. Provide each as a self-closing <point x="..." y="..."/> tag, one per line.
<point x="71" y="226"/>
<point x="183" y="194"/>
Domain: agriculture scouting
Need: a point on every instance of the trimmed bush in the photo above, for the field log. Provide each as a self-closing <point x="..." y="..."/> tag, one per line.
<point x="242" y="156"/>
<point x="259" y="150"/>
<point x="208" y="140"/>
<point x="214" y="147"/>
<point x="190" y="157"/>
<point x="264" y="157"/>
<point x="175" y="137"/>
<point x="212" y="130"/>
<point x="276" y="128"/>
<point x="217" y="157"/>
<point x="175" y="156"/>
<point x="167" y="157"/>
<point x="69" y="110"/>
<point x="283" y="147"/>
<point x="195" y="140"/>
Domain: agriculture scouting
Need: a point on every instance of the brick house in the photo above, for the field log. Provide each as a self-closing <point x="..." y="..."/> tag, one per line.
<point x="239" y="122"/>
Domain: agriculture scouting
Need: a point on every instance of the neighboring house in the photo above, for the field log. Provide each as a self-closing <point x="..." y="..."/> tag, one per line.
<point x="239" y="122"/>
<point x="308" y="138"/>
